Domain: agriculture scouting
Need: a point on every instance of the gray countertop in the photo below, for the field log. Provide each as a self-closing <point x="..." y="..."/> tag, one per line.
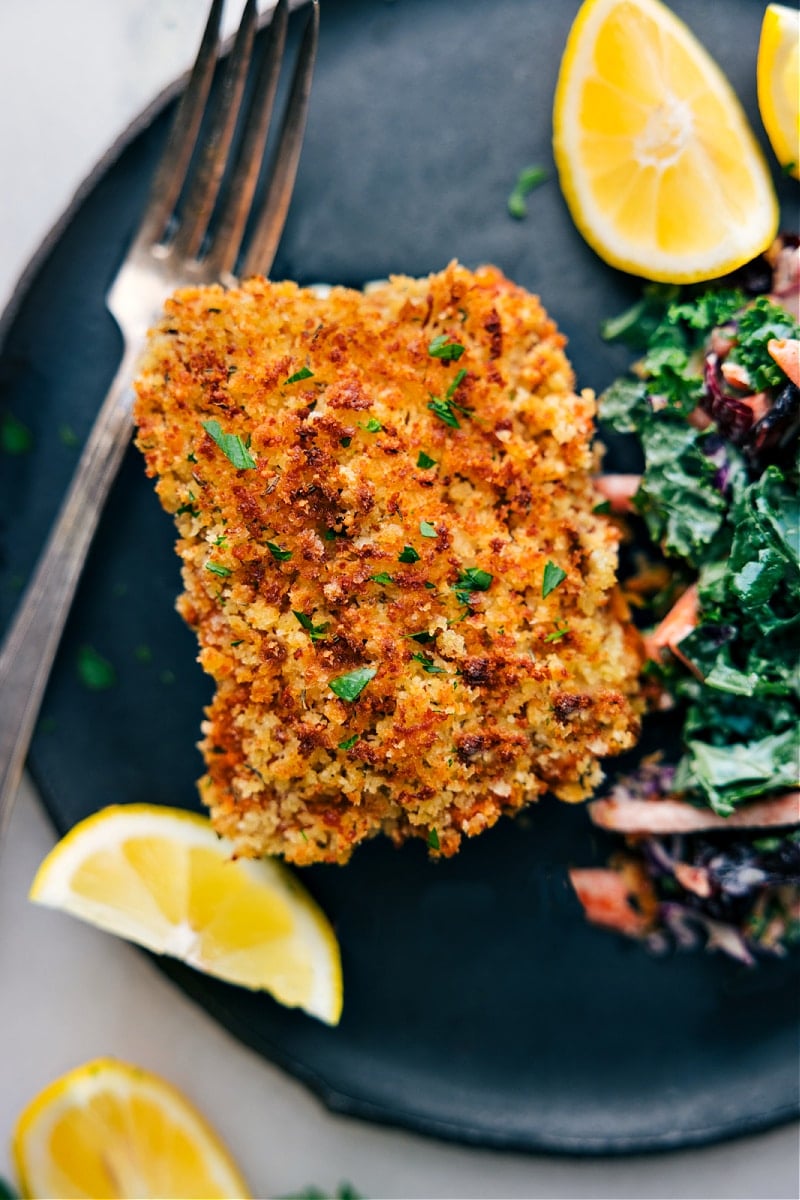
<point x="72" y="76"/>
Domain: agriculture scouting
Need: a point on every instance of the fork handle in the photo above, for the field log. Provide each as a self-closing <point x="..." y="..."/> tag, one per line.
<point x="30" y="646"/>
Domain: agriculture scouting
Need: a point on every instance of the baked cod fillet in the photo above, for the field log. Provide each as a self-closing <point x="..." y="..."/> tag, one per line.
<point x="390" y="555"/>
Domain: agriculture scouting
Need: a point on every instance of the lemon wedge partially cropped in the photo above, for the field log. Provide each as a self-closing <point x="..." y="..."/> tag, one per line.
<point x="111" y="1130"/>
<point x="778" y="78"/>
<point x="658" y="165"/>
<point x="162" y="878"/>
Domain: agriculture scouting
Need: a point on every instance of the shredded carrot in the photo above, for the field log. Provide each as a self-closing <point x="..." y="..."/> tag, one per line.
<point x="786" y="353"/>
<point x="677" y="624"/>
<point x="619" y="490"/>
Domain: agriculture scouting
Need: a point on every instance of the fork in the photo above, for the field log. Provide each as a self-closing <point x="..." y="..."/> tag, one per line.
<point x="192" y="231"/>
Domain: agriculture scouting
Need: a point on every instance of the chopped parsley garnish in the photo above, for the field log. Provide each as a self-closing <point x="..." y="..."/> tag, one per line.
<point x="424" y="461"/>
<point x="428" y="664"/>
<point x="217" y="569"/>
<point x="345" y="441"/>
<point x="303" y="373"/>
<point x="408" y="555"/>
<point x="189" y="508"/>
<point x="442" y="347"/>
<point x="560" y="631"/>
<point x="348" y="743"/>
<point x="423" y="637"/>
<point x="231" y="445"/>
<point x="373" y="425"/>
<point x="95" y="672"/>
<point x="350" y="686"/>
<point x="279" y="554"/>
<point x="552" y="577"/>
<point x="315" y="632"/>
<point x="427" y="530"/>
<point x="528" y="179"/>
<point x="444" y="411"/>
<point x="433" y="839"/>
<point x="15" y="438"/>
<point x="382" y="578"/>
<point x="471" y="579"/>
<point x="460" y="376"/>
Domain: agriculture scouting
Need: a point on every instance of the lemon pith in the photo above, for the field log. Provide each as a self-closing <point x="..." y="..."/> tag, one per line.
<point x="162" y="878"/>
<point x="778" y="81"/>
<point x="658" y="165"/>
<point x="109" y="1129"/>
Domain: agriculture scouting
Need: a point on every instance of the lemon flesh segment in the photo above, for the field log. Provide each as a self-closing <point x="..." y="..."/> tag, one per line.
<point x="658" y="165"/>
<point x="778" y="80"/>
<point x="108" y="1129"/>
<point x="162" y="878"/>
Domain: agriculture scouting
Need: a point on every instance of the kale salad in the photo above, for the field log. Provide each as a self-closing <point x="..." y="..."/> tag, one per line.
<point x="711" y="848"/>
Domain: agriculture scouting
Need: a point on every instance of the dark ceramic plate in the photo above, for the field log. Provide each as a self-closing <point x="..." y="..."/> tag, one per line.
<point x="479" y="1006"/>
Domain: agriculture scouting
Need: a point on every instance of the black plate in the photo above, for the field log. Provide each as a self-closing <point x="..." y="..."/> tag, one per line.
<point x="478" y="1005"/>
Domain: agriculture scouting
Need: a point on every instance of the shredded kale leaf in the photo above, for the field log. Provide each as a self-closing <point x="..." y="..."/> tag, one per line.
<point x="735" y="523"/>
<point x="756" y="325"/>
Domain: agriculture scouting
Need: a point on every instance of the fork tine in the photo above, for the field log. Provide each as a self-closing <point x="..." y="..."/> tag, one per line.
<point x="177" y="153"/>
<point x="269" y="227"/>
<point x="207" y="178"/>
<point x="227" y="239"/>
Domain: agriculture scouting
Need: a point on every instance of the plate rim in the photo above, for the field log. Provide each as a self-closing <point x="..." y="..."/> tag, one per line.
<point x="334" y="1098"/>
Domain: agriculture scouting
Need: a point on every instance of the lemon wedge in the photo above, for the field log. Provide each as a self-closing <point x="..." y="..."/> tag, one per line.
<point x="162" y="878"/>
<point x="658" y="165"/>
<point x="778" y="79"/>
<point x="107" y="1129"/>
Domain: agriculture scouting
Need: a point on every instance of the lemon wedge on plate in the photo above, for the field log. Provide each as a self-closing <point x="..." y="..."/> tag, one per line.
<point x="162" y="878"/>
<point x="111" y="1130"/>
<point x="658" y="165"/>
<point x="778" y="79"/>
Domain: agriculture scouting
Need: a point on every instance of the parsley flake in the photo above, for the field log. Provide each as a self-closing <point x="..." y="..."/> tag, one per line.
<point x="383" y="578"/>
<point x="373" y="425"/>
<point x="433" y="839"/>
<point x="428" y="664"/>
<point x="231" y="445"/>
<point x="427" y="530"/>
<point x="443" y="410"/>
<point x="424" y="461"/>
<point x="95" y="672"/>
<point x="408" y="555"/>
<point x="350" y="686"/>
<point x="442" y="348"/>
<point x="348" y="743"/>
<point x="528" y="179"/>
<point x="423" y="637"/>
<point x="552" y="577"/>
<point x="15" y="438"/>
<point x="471" y="579"/>
<point x="217" y="569"/>
<point x="561" y="630"/>
<point x="278" y="554"/>
<point x="303" y="373"/>
<point x="315" y="632"/>
<point x="454" y="386"/>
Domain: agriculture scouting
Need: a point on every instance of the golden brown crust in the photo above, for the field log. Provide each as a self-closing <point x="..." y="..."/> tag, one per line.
<point x="510" y="693"/>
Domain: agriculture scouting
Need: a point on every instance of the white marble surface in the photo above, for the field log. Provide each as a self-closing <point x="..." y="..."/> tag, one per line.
<point x="72" y="74"/>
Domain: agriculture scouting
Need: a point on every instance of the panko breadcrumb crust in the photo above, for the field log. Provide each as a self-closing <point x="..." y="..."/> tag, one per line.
<point x="338" y="551"/>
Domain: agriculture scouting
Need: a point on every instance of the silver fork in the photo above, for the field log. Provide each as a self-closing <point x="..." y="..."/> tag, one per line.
<point x="172" y="248"/>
